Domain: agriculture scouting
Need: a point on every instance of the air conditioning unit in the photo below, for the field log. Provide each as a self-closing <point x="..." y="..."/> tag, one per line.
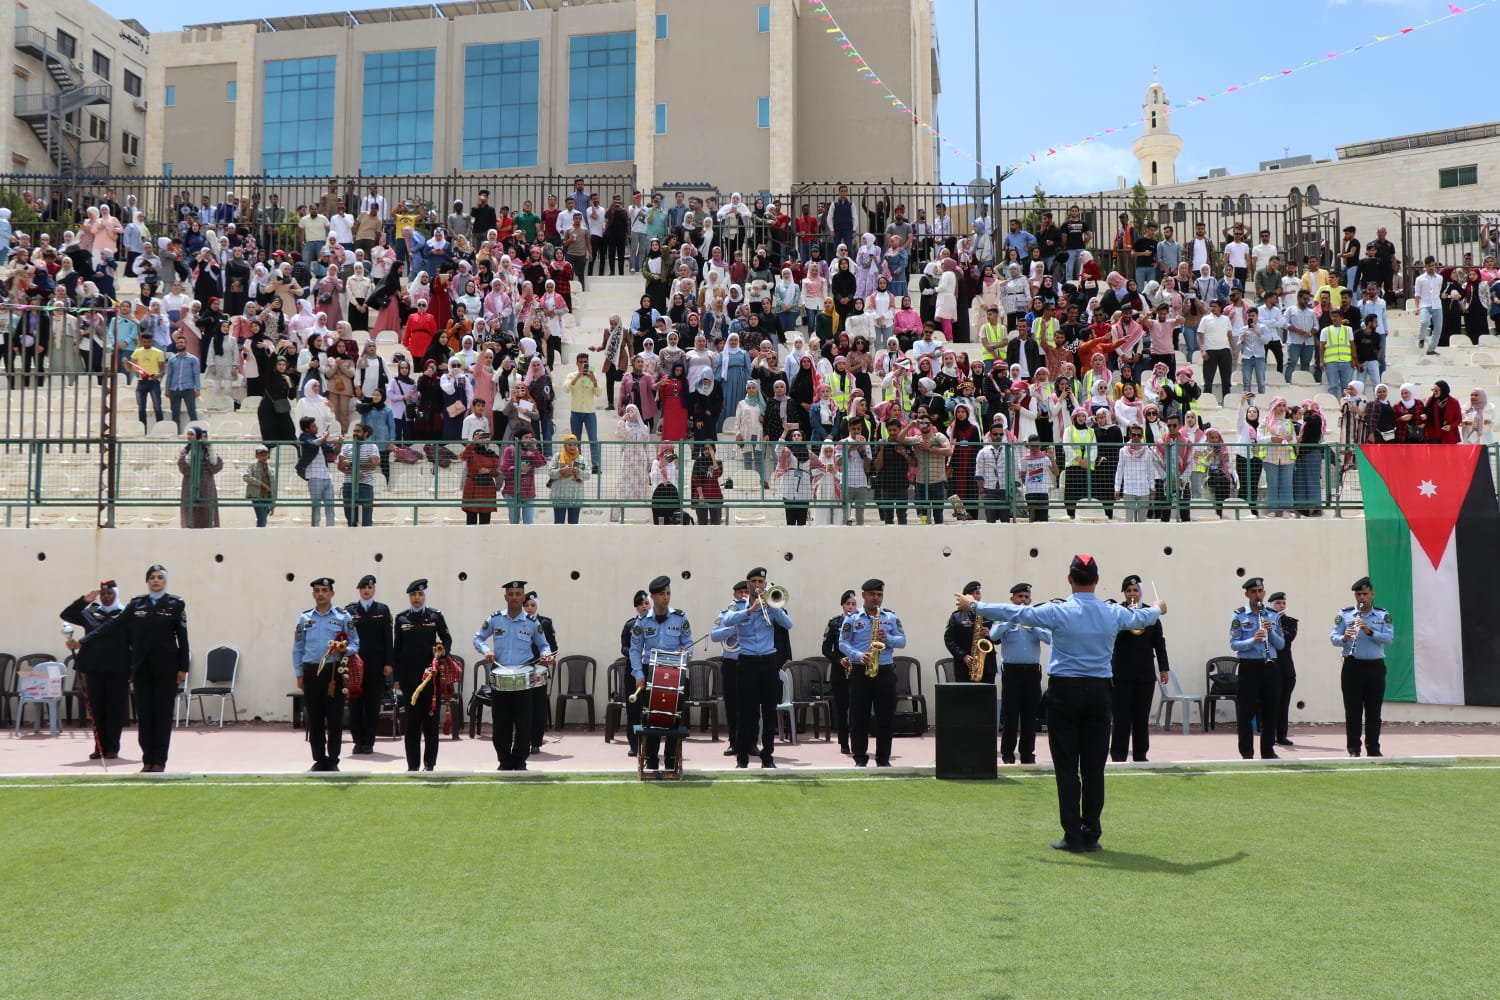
<point x="140" y="104"/>
<point x="79" y="66"/>
<point x="71" y="129"/>
<point x="130" y="160"/>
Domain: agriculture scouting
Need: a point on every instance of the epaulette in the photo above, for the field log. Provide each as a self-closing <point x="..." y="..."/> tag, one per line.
<point x="1350" y="608"/>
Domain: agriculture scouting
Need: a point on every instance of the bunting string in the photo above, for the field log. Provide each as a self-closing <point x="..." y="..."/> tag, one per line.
<point x="836" y="33"/>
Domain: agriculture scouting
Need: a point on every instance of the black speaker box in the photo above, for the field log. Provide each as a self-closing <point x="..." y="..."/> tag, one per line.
<point x="966" y="724"/>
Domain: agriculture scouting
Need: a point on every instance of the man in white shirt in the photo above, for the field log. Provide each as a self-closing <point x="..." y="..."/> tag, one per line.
<point x="1301" y="336"/>
<point x="1429" y="290"/>
<point x="1263" y="251"/>
<point x="1273" y="327"/>
<point x="594" y="218"/>
<point x="1237" y="256"/>
<point x="638" y="242"/>
<point x="1374" y="305"/>
<point x="341" y="225"/>
<point x="565" y="217"/>
<point x="1200" y="250"/>
<point x="361" y="456"/>
<point x="374" y="198"/>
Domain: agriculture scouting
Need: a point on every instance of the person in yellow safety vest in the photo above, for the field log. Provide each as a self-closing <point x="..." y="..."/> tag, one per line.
<point x="1336" y="354"/>
<point x="993" y="337"/>
<point x="1044" y="328"/>
<point x="841" y="383"/>
<point x="1079" y="454"/>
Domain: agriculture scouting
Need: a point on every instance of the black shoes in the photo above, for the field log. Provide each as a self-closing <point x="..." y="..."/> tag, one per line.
<point x="1373" y="753"/>
<point x="767" y="762"/>
<point x="882" y="763"/>
<point x="1285" y="743"/>
<point x="1073" y="847"/>
<point x="844" y="749"/>
<point x="632" y="752"/>
<point x="861" y="762"/>
<point x="742" y="762"/>
<point x="730" y="752"/>
<point x="1272" y="755"/>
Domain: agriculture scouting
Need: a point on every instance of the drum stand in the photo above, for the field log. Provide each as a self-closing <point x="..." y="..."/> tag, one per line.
<point x="681" y="732"/>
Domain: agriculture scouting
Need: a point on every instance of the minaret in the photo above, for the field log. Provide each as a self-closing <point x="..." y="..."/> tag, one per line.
<point x="1157" y="148"/>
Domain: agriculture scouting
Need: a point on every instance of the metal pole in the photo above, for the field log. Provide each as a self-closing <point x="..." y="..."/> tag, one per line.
<point x="978" y="116"/>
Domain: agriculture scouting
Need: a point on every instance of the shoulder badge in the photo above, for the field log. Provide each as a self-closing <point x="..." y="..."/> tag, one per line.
<point x="636" y="631"/>
<point x="1338" y="619"/>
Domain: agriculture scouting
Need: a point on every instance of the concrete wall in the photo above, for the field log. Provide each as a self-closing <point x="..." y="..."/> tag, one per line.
<point x="236" y="583"/>
<point x="199" y="128"/>
<point x="203" y="128"/>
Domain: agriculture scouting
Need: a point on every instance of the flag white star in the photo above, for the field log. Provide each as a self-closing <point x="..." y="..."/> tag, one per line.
<point x="1427" y="488"/>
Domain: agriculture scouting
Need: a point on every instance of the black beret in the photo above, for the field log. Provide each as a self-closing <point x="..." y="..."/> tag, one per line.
<point x="367" y="581"/>
<point x="518" y="584"/>
<point x="971" y="586"/>
<point x="845" y="596"/>
<point x="1280" y="595"/>
<point x="873" y="584"/>
<point x="741" y="585"/>
<point x="1021" y="588"/>
<point x="1362" y="583"/>
<point x="322" y="581"/>
<point x="757" y="571"/>
<point x="1254" y="581"/>
<point x="416" y="585"/>
<point x="640" y="595"/>
<point x="1132" y="578"/>
<point x="660" y="585"/>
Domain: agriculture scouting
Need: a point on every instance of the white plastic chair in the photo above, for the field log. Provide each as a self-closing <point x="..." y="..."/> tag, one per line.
<point x="1175" y="697"/>
<point x="53" y="703"/>
<point x="786" y="706"/>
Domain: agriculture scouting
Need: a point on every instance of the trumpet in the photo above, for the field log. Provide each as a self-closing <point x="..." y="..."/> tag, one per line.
<point x="774" y="597"/>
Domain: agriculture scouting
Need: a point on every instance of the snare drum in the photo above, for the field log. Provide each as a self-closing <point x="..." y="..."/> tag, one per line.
<point x="540" y="674"/>
<point x="507" y="679"/>
<point x="667" y="691"/>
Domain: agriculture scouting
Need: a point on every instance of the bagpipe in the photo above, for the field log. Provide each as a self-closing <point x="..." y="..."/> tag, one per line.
<point x="348" y="669"/>
<point x="442" y="675"/>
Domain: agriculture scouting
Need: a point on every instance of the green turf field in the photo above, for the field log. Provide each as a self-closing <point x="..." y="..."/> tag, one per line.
<point x="1370" y="882"/>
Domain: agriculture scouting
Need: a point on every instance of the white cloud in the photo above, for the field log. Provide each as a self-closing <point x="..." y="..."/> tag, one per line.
<point x="1089" y="167"/>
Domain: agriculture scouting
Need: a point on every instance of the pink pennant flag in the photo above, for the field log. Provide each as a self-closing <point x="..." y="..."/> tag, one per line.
<point x="1407" y="31"/>
<point x="1109" y="131"/>
<point x="1231" y="90"/>
<point x="1051" y="152"/>
<point x="1455" y="10"/>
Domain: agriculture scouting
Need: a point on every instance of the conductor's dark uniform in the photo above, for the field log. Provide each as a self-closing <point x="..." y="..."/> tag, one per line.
<point x="105" y="666"/>
<point x="959" y="638"/>
<point x="373" y="623"/>
<point x="1140" y="655"/>
<point x="156" y="629"/>
<point x="417" y="631"/>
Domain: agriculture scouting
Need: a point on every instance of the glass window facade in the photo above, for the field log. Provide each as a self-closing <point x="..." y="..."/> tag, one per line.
<point x="171" y="97"/>
<point x="601" y="97"/>
<point x="661" y="119"/>
<point x="661" y="26"/>
<point x="398" y="103"/>
<point x="297" y="117"/>
<point x="231" y="89"/>
<point x="500" y="105"/>
<point x="763" y="112"/>
<point x="763" y="18"/>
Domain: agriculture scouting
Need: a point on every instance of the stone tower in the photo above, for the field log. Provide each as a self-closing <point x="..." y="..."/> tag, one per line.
<point x="1157" y="148"/>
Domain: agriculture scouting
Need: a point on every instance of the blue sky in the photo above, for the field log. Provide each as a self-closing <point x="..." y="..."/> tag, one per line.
<point x="1033" y="97"/>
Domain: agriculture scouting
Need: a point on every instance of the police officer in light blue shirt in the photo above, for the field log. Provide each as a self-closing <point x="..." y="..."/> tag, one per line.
<point x="318" y="629"/>
<point x="1255" y="636"/>
<point x="511" y="638"/>
<point x="1020" y="649"/>
<point x="729" y="678"/>
<point x="1362" y="632"/>
<point x="665" y="628"/>
<point x="864" y="690"/>
<point x="1079" y="704"/>
<point x="759" y="671"/>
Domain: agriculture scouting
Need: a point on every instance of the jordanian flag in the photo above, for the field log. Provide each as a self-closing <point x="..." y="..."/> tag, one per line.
<point x="1432" y="527"/>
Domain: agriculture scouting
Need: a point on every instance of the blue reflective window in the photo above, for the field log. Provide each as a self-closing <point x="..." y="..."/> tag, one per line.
<point x="661" y="26"/>
<point x="500" y="105"/>
<point x="230" y="91"/>
<point x="297" y="121"/>
<point x="763" y="112"/>
<point x="396" y="134"/>
<point x="661" y="119"/>
<point x="171" y="97"/>
<point x="601" y="97"/>
<point x="229" y="166"/>
<point x="763" y="18"/>
<point x="166" y="168"/>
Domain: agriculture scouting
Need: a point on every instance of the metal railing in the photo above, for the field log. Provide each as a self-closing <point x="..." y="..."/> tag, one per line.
<point x="42" y="481"/>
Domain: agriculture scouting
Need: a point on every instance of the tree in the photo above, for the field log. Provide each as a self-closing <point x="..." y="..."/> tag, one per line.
<point x="1033" y="218"/>
<point x="1140" y="207"/>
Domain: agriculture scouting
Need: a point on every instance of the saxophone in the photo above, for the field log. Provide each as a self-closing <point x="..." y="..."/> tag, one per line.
<point x="877" y="646"/>
<point x="979" y="648"/>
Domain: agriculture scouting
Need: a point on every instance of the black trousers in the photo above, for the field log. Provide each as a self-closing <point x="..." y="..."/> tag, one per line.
<point x="1020" y="703"/>
<point x="325" y="715"/>
<point x="365" y="711"/>
<point x="538" y="696"/>
<point x="1288" y="683"/>
<point x="1363" y="683"/>
<point x="1078" y="711"/>
<point x="1274" y="348"/>
<point x="423" y="722"/>
<point x="1131" y="701"/>
<point x="841" y="685"/>
<point x="1220" y="362"/>
<point x="512" y="728"/>
<point x="759" y="692"/>
<point x="878" y="691"/>
<point x="1259" y="698"/>
<point x="729" y="684"/>
<point x="109" y="701"/>
<point x="597" y="243"/>
<point x="155" y="695"/>
<point x="614" y="249"/>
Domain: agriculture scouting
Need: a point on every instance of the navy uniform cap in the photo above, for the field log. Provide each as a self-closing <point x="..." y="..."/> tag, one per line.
<point x="518" y="584"/>
<point x="1020" y="588"/>
<point x="322" y="581"/>
<point x="416" y="585"/>
<point x="1280" y="595"/>
<point x="660" y="585"/>
<point x="366" y="581"/>
<point x="741" y="585"/>
<point x="1362" y="583"/>
<point x="878" y="586"/>
<point x="640" y="595"/>
<point x="971" y="587"/>
<point x="1131" y="579"/>
<point x="759" y="571"/>
<point x="1083" y="568"/>
<point x="1254" y="581"/>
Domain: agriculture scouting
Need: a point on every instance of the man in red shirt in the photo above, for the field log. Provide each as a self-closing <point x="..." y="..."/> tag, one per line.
<point x="421" y="329"/>
<point x="809" y="229"/>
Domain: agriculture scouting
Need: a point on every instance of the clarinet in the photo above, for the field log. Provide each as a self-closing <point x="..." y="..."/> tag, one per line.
<point x="1359" y="623"/>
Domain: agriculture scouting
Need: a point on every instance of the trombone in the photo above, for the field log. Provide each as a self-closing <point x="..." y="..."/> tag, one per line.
<point x="773" y="597"/>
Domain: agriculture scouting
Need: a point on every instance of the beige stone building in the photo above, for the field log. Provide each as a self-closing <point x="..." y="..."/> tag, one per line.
<point x="76" y="91"/>
<point x="735" y="93"/>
